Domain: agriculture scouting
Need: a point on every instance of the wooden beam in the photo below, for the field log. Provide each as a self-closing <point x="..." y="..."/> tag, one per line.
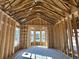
<point x="54" y="11"/>
<point x="47" y="20"/>
<point x="43" y="11"/>
<point x="75" y="2"/>
<point x="67" y="7"/>
<point x="53" y="8"/>
<point x="25" y="9"/>
<point x="51" y="18"/>
<point x="69" y="3"/>
<point x="58" y="6"/>
<point x="10" y="3"/>
<point x="21" y="6"/>
<point x="30" y="15"/>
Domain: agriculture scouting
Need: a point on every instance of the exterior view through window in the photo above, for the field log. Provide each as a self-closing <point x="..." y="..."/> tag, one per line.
<point x="38" y="38"/>
<point x="17" y="37"/>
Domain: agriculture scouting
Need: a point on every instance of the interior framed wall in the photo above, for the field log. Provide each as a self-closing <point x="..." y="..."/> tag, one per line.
<point x="7" y="34"/>
<point x="37" y="28"/>
<point x="34" y="22"/>
<point x="63" y="35"/>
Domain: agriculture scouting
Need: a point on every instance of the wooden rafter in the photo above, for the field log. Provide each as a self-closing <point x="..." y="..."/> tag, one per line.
<point x="22" y="10"/>
<point x="49" y="8"/>
<point x="26" y="16"/>
<point x="67" y="7"/>
<point x="34" y="16"/>
<point x="43" y="11"/>
<point x="10" y="3"/>
<point x="25" y="22"/>
<point x="23" y="6"/>
<point x="75" y="2"/>
<point x="69" y="3"/>
<point x="4" y="2"/>
<point x="51" y="19"/>
<point x="54" y="11"/>
<point x="17" y="5"/>
<point x="49" y="5"/>
<point x="57" y="6"/>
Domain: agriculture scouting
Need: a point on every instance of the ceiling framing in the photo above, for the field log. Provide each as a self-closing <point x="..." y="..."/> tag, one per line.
<point x="49" y="10"/>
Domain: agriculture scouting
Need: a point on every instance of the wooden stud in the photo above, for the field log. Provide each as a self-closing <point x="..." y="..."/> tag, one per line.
<point x="3" y="37"/>
<point x="76" y="35"/>
<point x="69" y="24"/>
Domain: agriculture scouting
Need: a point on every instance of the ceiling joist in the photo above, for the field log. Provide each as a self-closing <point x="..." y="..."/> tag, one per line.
<point x="49" y="10"/>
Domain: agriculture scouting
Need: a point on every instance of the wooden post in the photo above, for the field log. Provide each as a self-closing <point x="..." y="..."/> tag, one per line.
<point x="10" y="41"/>
<point x="1" y="20"/>
<point x="65" y="36"/>
<point x="34" y="38"/>
<point x="23" y="36"/>
<point x="7" y="42"/>
<point x="3" y="37"/>
<point x="69" y="25"/>
<point x="49" y="42"/>
<point x="40" y="38"/>
<point x="13" y="37"/>
<point x="54" y="30"/>
<point x="75" y="30"/>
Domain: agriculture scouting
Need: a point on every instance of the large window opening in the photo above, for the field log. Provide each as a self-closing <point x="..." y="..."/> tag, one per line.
<point x="17" y="37"/>
<point x="38" y="38"/>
